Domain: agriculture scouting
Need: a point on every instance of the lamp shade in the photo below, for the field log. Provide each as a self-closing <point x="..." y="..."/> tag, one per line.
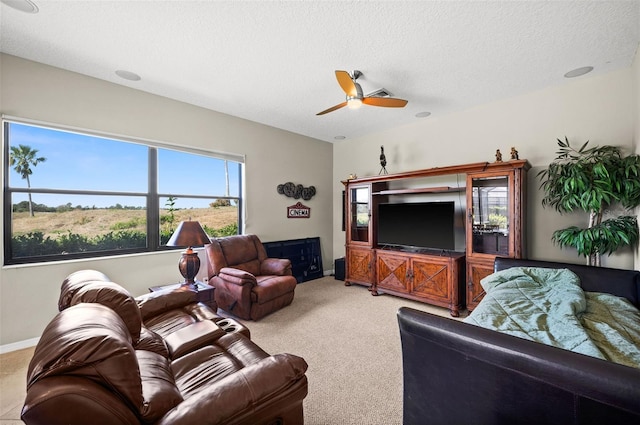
<point x="188" y="234"/>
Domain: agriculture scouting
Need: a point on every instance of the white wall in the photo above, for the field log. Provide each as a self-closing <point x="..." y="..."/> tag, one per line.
<point x="597" y="108"/>
<point x="602" y="109"/>
<point x="29" y="293"/>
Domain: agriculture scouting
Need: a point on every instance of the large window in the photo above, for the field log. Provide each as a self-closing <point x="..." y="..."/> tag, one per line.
<point x="77" y="194"/>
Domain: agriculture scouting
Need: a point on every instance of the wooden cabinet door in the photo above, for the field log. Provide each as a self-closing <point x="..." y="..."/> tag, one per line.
<point x="359" y="265"/>
<point x="392" y="271"/>
<point x="430" y="278"/>
<point x="490" y="214"/>
<point x="476" y="271"/>
<point x="359" y="229"/>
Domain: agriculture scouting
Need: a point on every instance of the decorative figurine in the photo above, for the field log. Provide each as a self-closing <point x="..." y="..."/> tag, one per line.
<point x="383" y="161"/>
<point x="498" y="156"/>
<point x="514" y="153"/>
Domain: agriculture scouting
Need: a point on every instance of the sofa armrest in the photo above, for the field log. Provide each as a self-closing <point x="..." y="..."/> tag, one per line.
<point x="237" y="276"/>
<point x="158" y="302"/>
<point x="275" y="266"/>
<point x="240" y="396"/>
<point x="448" y="363"/>
<point x="72" y="400"/>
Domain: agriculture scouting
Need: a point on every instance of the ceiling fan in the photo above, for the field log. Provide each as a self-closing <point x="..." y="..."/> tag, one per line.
<point x="354" y="94"/>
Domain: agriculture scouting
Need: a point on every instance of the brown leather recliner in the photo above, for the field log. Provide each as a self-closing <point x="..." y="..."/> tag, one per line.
<point x="247" y="283"/>
<point x="161" y="312"/>
<point x="97" y="362"/>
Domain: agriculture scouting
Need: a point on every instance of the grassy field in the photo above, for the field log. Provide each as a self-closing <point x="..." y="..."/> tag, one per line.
<point x="102" y="221"/>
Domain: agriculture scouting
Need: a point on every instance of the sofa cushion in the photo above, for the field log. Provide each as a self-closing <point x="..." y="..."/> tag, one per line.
<point x="250" y="396"/>
<point x="201" y="312"/>
<point x="92" y="341"/>
<point x="276" y="266"/>
<point x="241" y="253"/>
<point x="252" y="267"/>
<point x="237" y="276"/>
<point x="170" y="321"/>
<point x="75" y="281"/>
<point x="244" y="351"/>
<point x="151" y="341"/>
<point x="195" y="371"/>
<point x="116" y="298"/>
<point x="157" y="302"/>
<point x="270" y="287"/>
<point x="159" y="389"/>
<point x="619" y="282"/>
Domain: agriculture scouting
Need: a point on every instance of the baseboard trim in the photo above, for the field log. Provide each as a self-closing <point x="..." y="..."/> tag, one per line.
<point x="15" y="346"/>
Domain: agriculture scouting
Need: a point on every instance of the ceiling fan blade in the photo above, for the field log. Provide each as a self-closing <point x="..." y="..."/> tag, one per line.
<point x="347" y="84"/>
<point x="388" y="102"/>
<point x="333" y="108"/>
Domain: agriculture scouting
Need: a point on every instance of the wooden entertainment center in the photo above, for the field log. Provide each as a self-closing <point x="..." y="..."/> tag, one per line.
<point x="494" y="218"/>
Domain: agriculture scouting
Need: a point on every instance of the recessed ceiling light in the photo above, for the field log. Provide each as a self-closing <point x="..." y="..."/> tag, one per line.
<point x="339" y="137"/>
<point x="127" y="75"/>
<point x="423" y="114"/>
<point x="578" y="72"/>
<point x="26" y="6"/>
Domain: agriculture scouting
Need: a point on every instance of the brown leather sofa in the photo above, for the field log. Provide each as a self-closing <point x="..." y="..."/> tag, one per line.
<point x="247" y="283"/>
<point x="163" y="358"/>
<point x="458" y="373"/>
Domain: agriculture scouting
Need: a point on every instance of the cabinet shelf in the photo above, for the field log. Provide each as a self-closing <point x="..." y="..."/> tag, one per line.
<point x="441" y="189"/>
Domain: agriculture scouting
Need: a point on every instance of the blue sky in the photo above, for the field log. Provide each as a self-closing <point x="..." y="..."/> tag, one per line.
<point x="81" y="162"/>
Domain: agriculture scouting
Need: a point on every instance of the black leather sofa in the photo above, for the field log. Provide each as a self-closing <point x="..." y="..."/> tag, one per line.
<point x="458" y="373"/>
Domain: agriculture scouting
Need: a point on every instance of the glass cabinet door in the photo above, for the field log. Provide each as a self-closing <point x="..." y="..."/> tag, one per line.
<point x="360" y="214"/>
<point x="490" y="215"/>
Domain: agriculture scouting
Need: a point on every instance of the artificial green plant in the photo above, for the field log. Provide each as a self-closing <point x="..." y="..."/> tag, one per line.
<point x="594" y="180"/>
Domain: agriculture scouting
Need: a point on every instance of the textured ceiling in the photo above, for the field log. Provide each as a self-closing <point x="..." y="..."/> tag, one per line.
<point x="273" y="62"/>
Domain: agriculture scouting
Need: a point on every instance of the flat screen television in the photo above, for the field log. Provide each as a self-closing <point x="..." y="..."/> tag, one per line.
<point x="420" y="225"/>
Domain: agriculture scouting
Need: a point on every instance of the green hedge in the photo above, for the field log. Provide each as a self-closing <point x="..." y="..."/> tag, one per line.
<point x="36" y="244"/>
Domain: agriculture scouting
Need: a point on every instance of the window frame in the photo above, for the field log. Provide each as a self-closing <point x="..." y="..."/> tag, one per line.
<point x="152" y="195"/>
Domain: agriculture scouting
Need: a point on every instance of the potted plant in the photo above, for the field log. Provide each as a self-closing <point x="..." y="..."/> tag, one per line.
<point x="592" y="180"/>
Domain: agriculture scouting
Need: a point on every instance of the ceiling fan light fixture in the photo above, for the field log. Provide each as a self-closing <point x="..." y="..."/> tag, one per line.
<point x="355" y="98"/>
<point x="354" y="103"/>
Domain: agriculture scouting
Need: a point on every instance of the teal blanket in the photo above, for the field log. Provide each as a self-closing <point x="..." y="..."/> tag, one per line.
<point x="549" y="306"/>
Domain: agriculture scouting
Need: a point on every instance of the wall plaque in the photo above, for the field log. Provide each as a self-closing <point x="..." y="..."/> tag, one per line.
<point x="298" y="211"/>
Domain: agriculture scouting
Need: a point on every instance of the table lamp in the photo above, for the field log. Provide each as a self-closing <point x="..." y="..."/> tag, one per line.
<point x="189" y="234"/>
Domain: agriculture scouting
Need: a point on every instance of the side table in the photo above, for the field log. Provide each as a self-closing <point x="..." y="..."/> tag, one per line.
<point x="205" y="292"/>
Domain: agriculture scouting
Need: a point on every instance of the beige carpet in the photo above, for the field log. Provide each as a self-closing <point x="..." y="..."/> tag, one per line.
<point x="349" y="339"/>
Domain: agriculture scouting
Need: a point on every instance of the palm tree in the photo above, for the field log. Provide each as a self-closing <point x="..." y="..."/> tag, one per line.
<point x="22" y="158"/>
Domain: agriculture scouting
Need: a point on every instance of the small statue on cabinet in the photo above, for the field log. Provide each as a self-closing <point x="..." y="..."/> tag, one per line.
<point x="383" y="161"/>
<point x="514" y="153"/>
<point x="498" y="156"/>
